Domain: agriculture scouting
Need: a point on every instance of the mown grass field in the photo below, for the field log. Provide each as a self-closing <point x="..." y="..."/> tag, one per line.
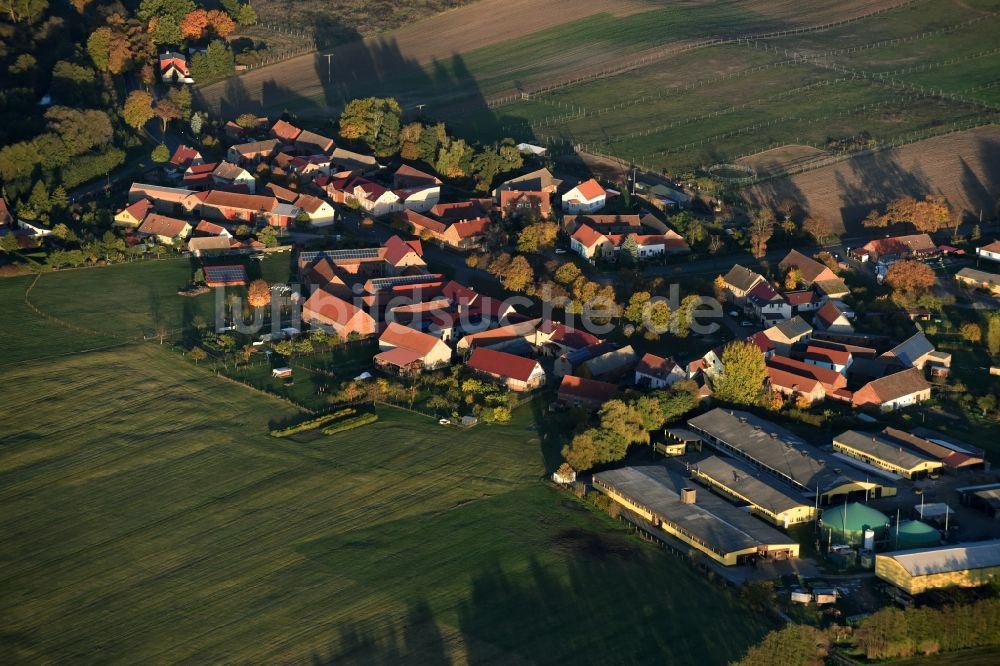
<point x="149" y="518"/>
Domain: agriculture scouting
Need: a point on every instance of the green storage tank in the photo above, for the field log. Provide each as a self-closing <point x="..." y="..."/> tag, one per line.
<point x="913" y="534"/>
<point x="848" y="523"/>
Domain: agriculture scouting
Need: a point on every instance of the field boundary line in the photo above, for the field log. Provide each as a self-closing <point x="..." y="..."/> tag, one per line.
<point x="503" y="99"/>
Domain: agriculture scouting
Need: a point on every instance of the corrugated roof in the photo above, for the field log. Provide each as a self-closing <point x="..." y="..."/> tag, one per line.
<point x="944" y="559"/>
<point x="882" y="448"/>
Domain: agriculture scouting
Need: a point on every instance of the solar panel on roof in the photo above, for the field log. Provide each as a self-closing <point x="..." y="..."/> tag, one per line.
<point x="340" y="255"/>
<point x="384" y="283"/>
<point x="360" y="253"/>
<point x="225" y="274"/>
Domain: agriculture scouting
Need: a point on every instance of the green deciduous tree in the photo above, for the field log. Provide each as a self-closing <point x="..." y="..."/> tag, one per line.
<point x="537" y="237"/>
<point x="160" y="154"/>
<point x="567" y="273"/>
<point x="374" y="120"/>
<point x="519" y="275"/>
<point x="794" y="645"/>
<point x="99" y="47"/>
<point x="138" y="109"/>
<point x="993" y="334"/>
<point x="744" y="374"/>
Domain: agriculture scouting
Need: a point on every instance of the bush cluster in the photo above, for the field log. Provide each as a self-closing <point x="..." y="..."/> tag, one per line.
<point x="312" y="424"/>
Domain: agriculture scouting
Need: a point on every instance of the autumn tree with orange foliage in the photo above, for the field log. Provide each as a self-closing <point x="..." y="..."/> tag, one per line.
<point x="926" y="216"/>
<point x="195" y="24"/>
<point x="259" y="294"/>
<point x="910" y="277"/>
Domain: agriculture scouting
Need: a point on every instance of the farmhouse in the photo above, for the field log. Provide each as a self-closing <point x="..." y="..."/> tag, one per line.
<point x="921" y="569"/>
<point x="167" y="200"/>
<point x="238" y="207"/>
<point x="519" y="334"/>
<point x="838" y="360"/>
<point x="404" y="349"/>
<point x="184" y="157"/>
<point x="979" y="279"/>
<point x="889" y="250"/>
<point x="784" y="456"/>
<point x="768" y="497"/>
<point x="787" y="333"/>
<point x="916" y="352"/>
<point x="320" y="212"/>
<point x="612" y="364"/>
<point x="165" y="229"/>
<point x="705" y="522"/>
<point x="536" y="181"/>
<point x="606" y="224"/>
<point x="894" y="391"/>
<point x="656" y="372"/>
<point x="990" y="251"/>
<point x="456" y="211"/>
<point x="350" y="163"/>
<point x="878" y="451"/>
<point x="515" y="372"/>
<point x="767" y="305"/>
<point x="253" y="152"/>
<point x="830" y="318"/>
<point x="739" y="281"/>
<point x="556" y="339"/>
<point x="285" y="131"/>
<point x="587" y="197"/>
<point x="811" y="270"/>
<point x="199" y="176"/>
<point x="792" y="384"/>
<point x="582" y="392"/>
<point x="310" y="143"/>
<point x="134" y="214"/>
<point x="327" y="311"/>
<point x="173" y="67"/>
<point x="515" y="204"/>
<point x="201" y="246"/>
<point x="234" y="176"/>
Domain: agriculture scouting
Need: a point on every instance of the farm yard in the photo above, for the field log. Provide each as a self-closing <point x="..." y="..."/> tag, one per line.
<point x="147" y="513"/>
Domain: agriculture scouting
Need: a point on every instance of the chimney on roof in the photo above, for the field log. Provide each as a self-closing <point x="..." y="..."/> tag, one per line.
<point x="687" y="495"/>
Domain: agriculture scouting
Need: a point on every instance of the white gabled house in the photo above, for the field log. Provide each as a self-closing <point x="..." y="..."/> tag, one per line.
<point x="587" y="197"/>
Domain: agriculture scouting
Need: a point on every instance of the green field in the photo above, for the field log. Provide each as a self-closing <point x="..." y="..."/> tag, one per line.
<point x="719" y="103"/>
<point x="149" y="518"/>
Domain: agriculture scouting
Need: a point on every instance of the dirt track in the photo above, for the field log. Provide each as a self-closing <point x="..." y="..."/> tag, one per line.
<point x="399" y="56"/>
<point x="965" y="167"/>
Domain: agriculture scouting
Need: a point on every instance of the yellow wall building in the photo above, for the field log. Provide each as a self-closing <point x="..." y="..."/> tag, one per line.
<point x="875" y="450"/>
<point x="767" y="497"/>
<point x="708" y="523"/>
<point x="963" y="565"/>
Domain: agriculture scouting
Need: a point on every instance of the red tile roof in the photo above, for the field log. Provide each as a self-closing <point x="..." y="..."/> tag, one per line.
<point x="206" y="227"/>
<point x="824" y="354"/>
<point x="254" y="202"/>
<point x="804" y="297"/>
<point x="184" y="155"/>
<point x="655" y="366"/>
<point x="587" y="236"/>
<point x="822" y="375"/>
<point x="396" y="248"/>
<point x="408" y="338"/>
<point x="161" y="225"/>
<point x="788" y="380"/>
<point x="828" y="314"/>
<point x="399" y="357"/>
<point x="407" y="176"/>
<point x="590" y="189"/>
<point x="423" y="222"/>
<point x="281" y="193"/>
<point x="462" y="210"/>
<point x="140" y="209"/>
<point x="331" y="307"/>
<point x="810" y="269"/>
<point x="471" y="227"/>
<point x="501" y="364"/>
<point x="762" y="341"/>
<point x="590" y="390"/>
<point x="898" y="385"/>
<point x="573" y="338"/>
<point x="309" y="203"/>
<point x="285" y="131"/>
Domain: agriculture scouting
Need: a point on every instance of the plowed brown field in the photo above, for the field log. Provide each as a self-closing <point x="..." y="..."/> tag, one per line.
<point x="965" y="167"/>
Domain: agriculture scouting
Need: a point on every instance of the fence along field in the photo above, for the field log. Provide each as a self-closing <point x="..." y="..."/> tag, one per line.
<point x="482" y="50"/>
<point x="720" y="103"/>
<point x="150" y="517"/>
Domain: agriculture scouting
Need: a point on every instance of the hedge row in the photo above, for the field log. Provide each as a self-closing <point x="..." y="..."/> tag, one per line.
<point x="312" y="424"/>
<point x="351" y="424"/>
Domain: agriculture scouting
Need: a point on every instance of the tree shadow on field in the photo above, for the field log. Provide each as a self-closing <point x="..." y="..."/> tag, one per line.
<point x="383" y="641"/>
<point x="982" y="192"/>
<point x="876" y="179"/>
